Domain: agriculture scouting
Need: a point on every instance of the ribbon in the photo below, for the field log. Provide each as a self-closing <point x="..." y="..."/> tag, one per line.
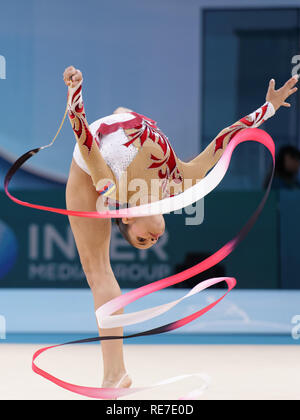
<point x="104" y="313"/>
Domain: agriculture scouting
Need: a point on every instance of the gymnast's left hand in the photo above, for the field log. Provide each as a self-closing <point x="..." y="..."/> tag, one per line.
<point x="279" y="96"/>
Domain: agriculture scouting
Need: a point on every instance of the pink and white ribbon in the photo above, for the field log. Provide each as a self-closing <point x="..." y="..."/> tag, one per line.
<point x="104" y="313"/>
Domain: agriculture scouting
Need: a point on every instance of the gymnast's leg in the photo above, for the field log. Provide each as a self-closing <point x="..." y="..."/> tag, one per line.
<point x="92" y="237"/>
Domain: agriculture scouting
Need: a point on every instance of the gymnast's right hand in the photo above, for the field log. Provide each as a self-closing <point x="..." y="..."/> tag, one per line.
<point x="72" y="76"/>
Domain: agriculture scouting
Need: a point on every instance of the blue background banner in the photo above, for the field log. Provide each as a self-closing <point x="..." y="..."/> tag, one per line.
<point x="39" y="250"/>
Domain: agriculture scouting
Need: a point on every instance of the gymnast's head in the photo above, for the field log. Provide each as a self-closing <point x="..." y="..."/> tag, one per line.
<point x="142" y="232"/>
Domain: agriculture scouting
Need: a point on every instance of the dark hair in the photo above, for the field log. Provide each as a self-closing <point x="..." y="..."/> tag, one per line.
<point x="123" y="227"/>
<point x="283" y="151"/>
<point x="279" y="162"/>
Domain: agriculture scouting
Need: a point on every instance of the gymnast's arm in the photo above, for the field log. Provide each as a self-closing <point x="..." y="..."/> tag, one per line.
<point x="88" y="144"/>
<point x="198" y="167"/>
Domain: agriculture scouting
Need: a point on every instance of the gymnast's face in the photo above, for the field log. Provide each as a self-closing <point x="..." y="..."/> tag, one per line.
<point x="144" y="232"/>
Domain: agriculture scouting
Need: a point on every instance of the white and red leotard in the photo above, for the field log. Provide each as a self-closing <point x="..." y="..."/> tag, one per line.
<point x="132" y="142"/>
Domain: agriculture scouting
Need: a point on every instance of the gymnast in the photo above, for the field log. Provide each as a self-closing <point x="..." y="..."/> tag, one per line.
<point x="124" y="160"/>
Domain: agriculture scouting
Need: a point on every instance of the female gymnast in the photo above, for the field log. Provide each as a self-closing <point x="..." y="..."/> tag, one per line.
<point x="124" y="160"/>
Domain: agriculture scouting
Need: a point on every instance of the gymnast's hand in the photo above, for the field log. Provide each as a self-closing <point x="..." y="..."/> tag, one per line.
<point x="72" y="76"/>
<point x="278" y="97"/>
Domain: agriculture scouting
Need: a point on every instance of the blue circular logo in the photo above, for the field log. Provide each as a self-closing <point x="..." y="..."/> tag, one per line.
<point x="8" y="249"/>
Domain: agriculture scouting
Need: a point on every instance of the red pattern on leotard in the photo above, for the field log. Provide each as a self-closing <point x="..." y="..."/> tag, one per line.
<point x="145" y="128"/>
<point x="77" y="115"/>
<point x="253" y="120"/>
